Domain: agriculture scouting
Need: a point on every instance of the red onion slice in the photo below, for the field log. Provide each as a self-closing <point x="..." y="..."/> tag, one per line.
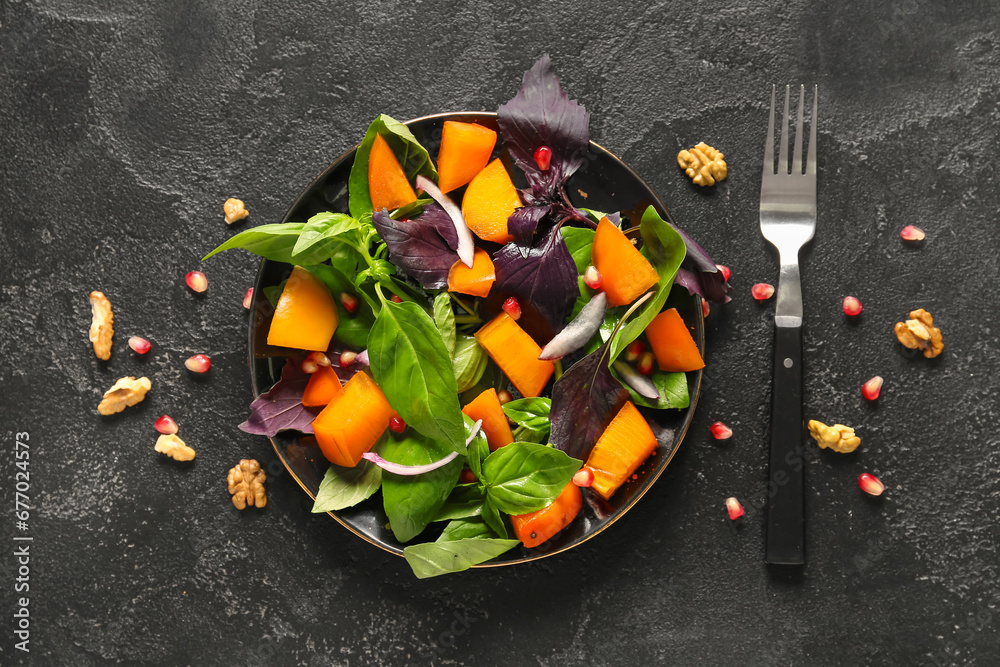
<point x="576" y="334"/>
<point x="466" y="244"/>
<point x="642" y="384"/>
<point x="402" y="469"/>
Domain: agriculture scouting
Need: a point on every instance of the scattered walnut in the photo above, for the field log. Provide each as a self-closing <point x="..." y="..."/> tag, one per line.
<point x="127" y="391"/>
<point x="102" y="325"/>
<point x="838" y="437"/>
<point x="174" y="447"/>
<point x="246" y="484"/>
<point x="235" y="210"/>
<point x="703" y="164"/>
<point x="919" y="333"/>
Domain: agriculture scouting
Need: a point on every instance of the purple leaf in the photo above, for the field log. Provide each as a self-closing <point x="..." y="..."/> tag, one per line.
<point x="699" y="274"/>
<point x="524" y="221"/>
<point x="422" y="248"/>
<point x="543" y="275"/>
<point x="280" y="408"/>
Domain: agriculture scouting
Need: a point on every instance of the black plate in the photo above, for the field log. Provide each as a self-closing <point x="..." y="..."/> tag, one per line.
<point x="604" y="183"/>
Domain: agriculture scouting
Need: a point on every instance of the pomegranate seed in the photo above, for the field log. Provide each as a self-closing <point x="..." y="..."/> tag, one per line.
<point x="726" y="271"/>
<point x="734" y="508"/>
<point x="872" y="388"/>
<point x="592" y="278"/>
<point x="584" y="477"/>
<point x="870" y="484"/>
<point x="199" y="363"/>
<point x="139" y="345"/>
<point x="319" y="359"/>
<point x="762" y="291"/>
<point x="165" y="425"/>
<point x="197" y="281"/>
<point x="720" y="431"/>
<point x="349" y="302"/>
<point x="645" y="365"/>
<point x="309" y="367"/>
<point x="347" y="358"/>
<point x="911" y="233"/>
<point x="505" y="396"/>
<point x="397" y="299"/>
<point x="397" y="424"/>
<point x="634" y="350"/>
<point x="466" y="476"/>
<point x="704" y="308"/>
<point x="248" y="298"/>
<point x="512" y="308"/>
<point x="543" y="157"/>
<point x="852" y="306"/>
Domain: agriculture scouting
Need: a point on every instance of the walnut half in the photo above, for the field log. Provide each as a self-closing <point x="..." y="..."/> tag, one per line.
<point x="174" y="447"/>
<point x="102" y="325"/>
<point x="919" y="333"/>
<point x="235" y="210"/>
<point x="246" y="484"/>
<point x="124" y="393"/>
<point x="703" y="164"/>
<point x="838" y="437"/>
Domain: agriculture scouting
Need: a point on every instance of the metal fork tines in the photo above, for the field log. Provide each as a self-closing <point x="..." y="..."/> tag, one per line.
<point x="787" y="221"/>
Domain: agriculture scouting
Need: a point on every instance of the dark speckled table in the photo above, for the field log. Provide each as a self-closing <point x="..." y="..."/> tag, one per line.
<point x="125" y="125"/>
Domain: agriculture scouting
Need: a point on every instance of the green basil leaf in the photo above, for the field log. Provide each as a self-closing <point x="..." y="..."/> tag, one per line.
<point x="346" y="487"/>
<point x="491" y="516"/>
<point x="412" y="367"/>
<point x="273" y="293"/>
<point x="353" y="328"/>
<point x="411" y="155"/>
<point x="464" y="501"/>
<point x="431" y="559"/>
<point x="579" y="241"/>
<point x="531" y="435"/>
<point x="672" y="387"/>
<point x="274" y="242"/>
<point x="524" y="477"/>
<point x="322" y="235"/>
<point x="478" y="450"/>
<point x="469" y="362"/>
<point x="461" y="529"/>
<point x="411" y="210"/>
<point x="444" y="320"/>
<point x="413" y="501"/>
<point x="594" y="215"/>
<point x="532" y="413"/>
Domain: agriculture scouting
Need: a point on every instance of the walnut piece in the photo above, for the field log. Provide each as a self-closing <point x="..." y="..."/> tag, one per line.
<point x="246" y="484"/>
<point x="235" y="210"/>
<point x="102" y="325"/>
<point x="703" y="164"/>
<point x="919" y="333"/>
<point x="838" y="437"/>
<point x="174" y="447"/>
<point x="126" y="392"/>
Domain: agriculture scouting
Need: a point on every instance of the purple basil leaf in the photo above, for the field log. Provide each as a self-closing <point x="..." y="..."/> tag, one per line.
<point x="541" y="114"/>
<point x="543" y="275"/>
<point x="524" y="221"/>
<point x="421" y="248"/>
<point x="584" y="401"/>
<point x="699" y="274"/>
<point x="280" y="408"/>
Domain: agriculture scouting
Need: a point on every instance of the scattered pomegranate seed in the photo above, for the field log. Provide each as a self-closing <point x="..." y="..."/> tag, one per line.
<point x="726" y="271"/>
<point x="319" y="359"/>
<point x="704" y="308"/>
<point x="645" y="365"/>
<point x="248" y="298"/>
<point x="505" y="396"/>
<point x="349" y="302"/>
<point x="512" y="308"/>
<point x="734" y="508"/>
<point x="870" y="484"/>
<point x="592" y="278"/>
<point x="397" y="424"/>
<point x="634" y="350"/>
<point x="397" y="299"/>
<point x="911" y="233"/>
<point x="347" y="358"/>
<point x="543" y="157"/>
<point x="139" y="345"/>
<point x="762" y="291"/>
<point x="584" y="477"/>
<point x="199" y="363"/>
<point x="852" y="306"/>
<point x="197" y="281"/>
<point x="309" y="367"/>
<point x="165" y="425"/>
<point x="466" y="476"/>
<point x="872" y="388"/>
<point x="720" y="431"/>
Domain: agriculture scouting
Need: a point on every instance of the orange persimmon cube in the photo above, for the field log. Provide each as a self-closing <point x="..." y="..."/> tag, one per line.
<point x="534" y="528"/>
<point x="672" y="344"/>
<point x="465" y="150"/>
<point x="476" y="281"/>
<point x="487" y="407"/>
<point x="516" y="353"/>
<point x="625" y="272"/>
<point x="621" y="449"/>
<point x="489" y="200"/>
<point x="388" y="186"/>
<point x="353" y="422"/>
<point x="306" y="314"/>
<point x="323" y="386"/>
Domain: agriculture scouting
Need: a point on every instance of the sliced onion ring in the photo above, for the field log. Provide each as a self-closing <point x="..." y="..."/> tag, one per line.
<point x="466" y="244"/>
<point x="402" y="469"/>
<point x="576" y="334"/>
<point x="642" y="384"/>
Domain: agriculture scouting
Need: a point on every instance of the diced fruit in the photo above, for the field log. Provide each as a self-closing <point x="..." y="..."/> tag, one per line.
<point x="197" y="281"/>
<point x="516" y="353"/>
<point x="489" y="200"/>
<point x="726" y="271"/>
<point x="625" y="273"/>
<point x="353" y="422"/>
<point x="248" y="298"/>
<point x="349" y="302"/>
<point x="672" y="343"/>
<point x="720" y="431"/>
<point x="734" y="508"/>
<point x="165" y="425"/>
<point x="306" y="315"/>
<point x="762" y="291"/>
<point x="543" y="157"/>
<point x="476" y="281"/>
<point x="634" y="350"/>
<point x="852" y="306"/>
<point x="139" y="344"/>
<point x="465" y="150"/>
<point x="199" y="363"/>
<point x="871" y="389"/>
<point x="396" y="424"/>
<point x="870" y="484"/>
<point x="645" y="365"/>
<point x="592" y="278"/>
<point x="537" y="527"/>
<point x="621" y="449"/>
<point x="911" y="233"/>
<point x="323" y="387"/>
<point x="512" y="307"/>
<point x="584" y="478"/>
<point x="388" y="186"/>
<point x="487" y="407"/>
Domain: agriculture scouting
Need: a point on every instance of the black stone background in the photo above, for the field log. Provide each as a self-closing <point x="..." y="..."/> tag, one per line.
<point x="125" y="125"/>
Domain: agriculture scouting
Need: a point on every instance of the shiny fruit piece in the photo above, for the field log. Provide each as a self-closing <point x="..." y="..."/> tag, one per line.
<point x="634" y="350"/>
<point x="592" y="278"/>
<point x="353" y="422"/>
<point x="734" y="508"/>
<point x="543" y="157"/>
<point x="476" y="280"/>
<point x="197" y="281"/>
<point x="396" y="424"/>
<point x="395" y="298"/>
<point x="349" y="302"/>
<point x="248" y="298"/>
<point x="625" y="273"/>
<point x="139" y="344"/>
<point x="536" y="527"/>
<point x="870" y="484"/>
<point x="165" y="425"/>
<point x="319" y="358"/>
<point x="465" y="150"/>
<point x="726" y="272"/>
<point x="489" y="200"/>
<point x="704" y="308"/>
<point x="852" y="306"/>
<point x="199" y="363"/>
<point x="646" y="362"/>
<point x="871" y="389"/>
<point x="762" y="291"/>
<point x="672" y="343"/>
<point x="306" y="315"/>
<point x="584" y="478"/>
<point x="504" y="397"/>
<point x="487" y="407"/>
<point x="720" y="431"/>
<point x="388" y="186"/>
<point x="911" y="233"/>
<point x="512" y="308"/>
<point x="309" y="367"/>
<point x="347" y="357"/>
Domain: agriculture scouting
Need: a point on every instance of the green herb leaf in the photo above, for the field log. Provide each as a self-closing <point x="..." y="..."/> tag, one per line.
<point x="444" y="319"/>
<point x="478" y="450"/>
<point x="413" y="501"/>
<point x="524" y="477"/>
<point x="491" y="515"/>
<point x="579" y="241"/>
<point x="273" y="293"/>
<point x="462" y="529"/>
<point x="672" y="387"/>
<point x="465" y="500"/>
<point x="531" y="413"/>
<point x="469" y="362"/>
<point x="346" y="487"/>
<point x="431" y="559"/>
<point x="274" y="242"/>
<point x="323" y="234"/>
<point x="353" y="328"/>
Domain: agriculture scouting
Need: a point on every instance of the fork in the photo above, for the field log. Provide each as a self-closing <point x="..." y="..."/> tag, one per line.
<point x="787" y="221"/>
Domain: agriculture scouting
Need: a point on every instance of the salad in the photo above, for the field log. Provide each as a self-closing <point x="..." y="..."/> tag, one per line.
<point x="483" y="357"/>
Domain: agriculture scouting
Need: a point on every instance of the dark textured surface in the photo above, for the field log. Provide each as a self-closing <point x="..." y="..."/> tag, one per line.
<point x="126" y="125"/>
